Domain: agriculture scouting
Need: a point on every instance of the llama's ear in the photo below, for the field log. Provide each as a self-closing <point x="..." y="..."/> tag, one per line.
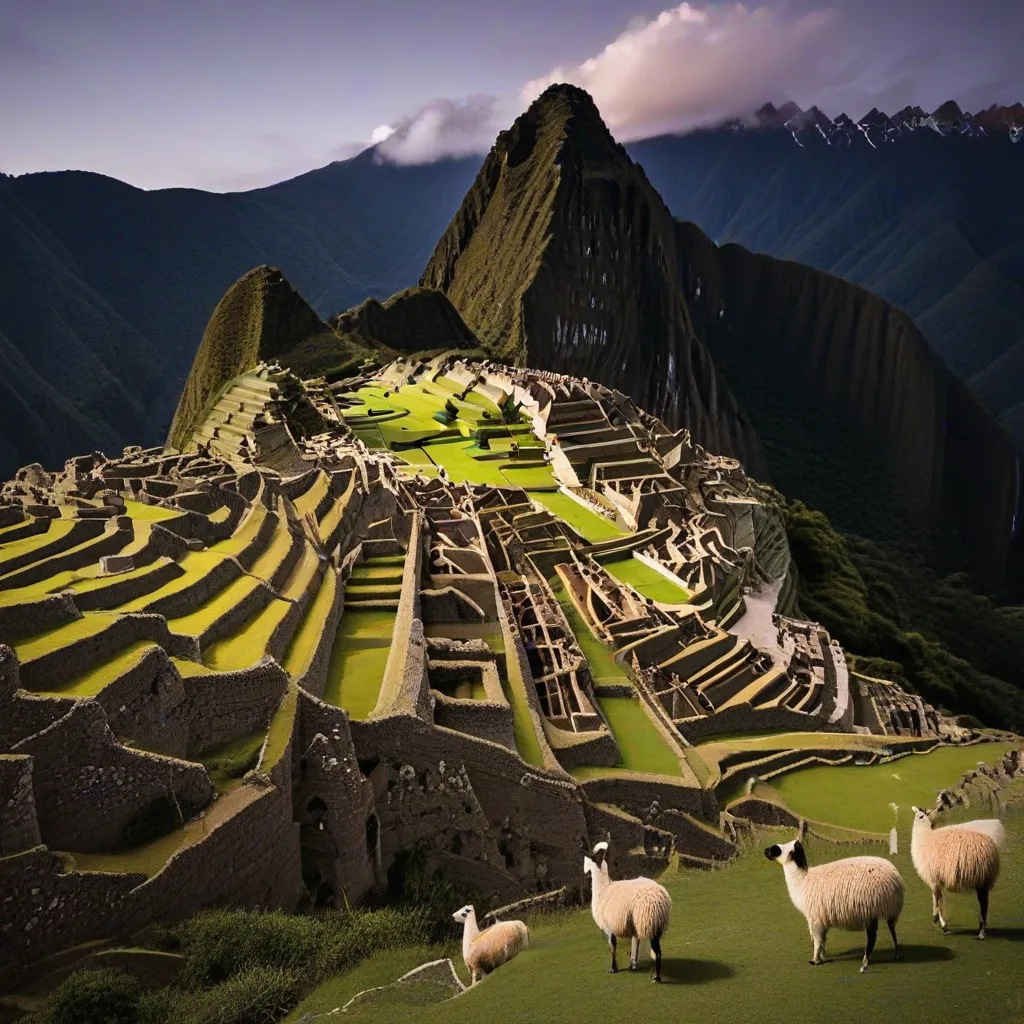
<point x="798" y="854"/>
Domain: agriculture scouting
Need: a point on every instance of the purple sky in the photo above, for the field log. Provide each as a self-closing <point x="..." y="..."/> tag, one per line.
<point x="232" y="94"/>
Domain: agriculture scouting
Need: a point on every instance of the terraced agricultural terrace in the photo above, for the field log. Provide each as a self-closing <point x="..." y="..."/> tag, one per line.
<point x="492" y="614"/>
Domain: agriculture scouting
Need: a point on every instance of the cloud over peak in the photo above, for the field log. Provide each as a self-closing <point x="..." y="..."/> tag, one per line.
<point x="693" y="65"/>
<point x="442" y="128"/>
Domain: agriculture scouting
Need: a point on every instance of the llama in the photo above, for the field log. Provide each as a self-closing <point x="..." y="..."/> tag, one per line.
<point x="960" y="858"/>
<point x="850" y="894"/>
<point x="485" y="951"/>
<point x="637" y="908"/>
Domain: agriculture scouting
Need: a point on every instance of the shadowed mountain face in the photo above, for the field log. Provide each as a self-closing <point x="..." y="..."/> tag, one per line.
<point x="563" y="256"/>
<point x="927" y="222"/>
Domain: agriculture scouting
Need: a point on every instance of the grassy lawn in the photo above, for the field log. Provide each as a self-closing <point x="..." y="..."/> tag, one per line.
<point x="358" y="659"/>
<point x="89" y="625"/>
<point x="640" y="744"/>
<point x="603" y="666"/>
<point x="591" y="526"/>
<point x="196" y="565"/>
<point x="304" y="643"/>
<point x="646" y="580"/>
<point x="228" y="762"/>
<point x="859" y="797"/>
<point x="737" y="950"/>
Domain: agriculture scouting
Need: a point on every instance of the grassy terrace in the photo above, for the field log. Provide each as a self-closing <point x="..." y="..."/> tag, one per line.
<point x="247" y="644"/>
<point x="304" y="643"/>
<point x="737" y="950"/>
<point x="591" y="526"/>
<point x="641" y="745"/>
<point x="358" y="658"/>
<point x="196" y="623"/>
<point x="96" y="680"/>
<point x="859" y="797"/>
<point x="150" y="513"/>
<point x="58" y="529"/>
<point x="646" y="580"/>
<point x="89" y="625"/>
<point x="196" y="565"/>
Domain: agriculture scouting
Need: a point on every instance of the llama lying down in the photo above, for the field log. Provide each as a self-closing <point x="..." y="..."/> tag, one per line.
<point x="484" y="951"/>
<point x="850" y="894"/>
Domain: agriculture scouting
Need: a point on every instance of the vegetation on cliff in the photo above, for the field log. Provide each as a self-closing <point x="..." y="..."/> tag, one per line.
<point x="899" y="620"/>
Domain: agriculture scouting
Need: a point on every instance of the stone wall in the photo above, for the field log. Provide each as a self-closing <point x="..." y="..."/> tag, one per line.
<point x="745" y="718"/>
<point x="635" y="793"/>
<point x="87" y="787"/>
<point x="19" y="827"/>
<point x="476" y="718"/>
<point x="334" y="806"/>
<point x="535" y="817"/>
<point x="222" y="706"/>
<point x="26" y="618"/>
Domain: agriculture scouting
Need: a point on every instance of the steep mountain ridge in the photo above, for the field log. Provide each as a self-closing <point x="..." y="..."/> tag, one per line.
<point x="563" y="256"/>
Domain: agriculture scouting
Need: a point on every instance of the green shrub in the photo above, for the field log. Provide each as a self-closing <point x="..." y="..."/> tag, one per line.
<point x="101" y="996"/>
<point x="255" y="995"/>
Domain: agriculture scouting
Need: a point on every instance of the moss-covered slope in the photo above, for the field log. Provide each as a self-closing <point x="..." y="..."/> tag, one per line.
<point x="261" y="317"/>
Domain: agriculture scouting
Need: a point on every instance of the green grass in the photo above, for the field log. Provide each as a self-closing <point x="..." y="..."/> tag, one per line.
<point x="859" y="797"/>
<point x="150" y="513"/>
<point x="89" y="625"/>
<point x="228" y="762"/>
<point x="603" y="666"/>
<point x="646" y="580"/>
<point x="58" y="529"/>
<point x="196" y="623"/>
<point x="529" y="476"/>
<point x="307" y="637"/>
<point x="358" y="657"/>
<point x="640" y="744"/>
<point x="247" y="644"/>
<point x="196" y="565"/>
<point x="91" y="683"/>
<point x="738" y="950"/>
<point x="591" y="526"/>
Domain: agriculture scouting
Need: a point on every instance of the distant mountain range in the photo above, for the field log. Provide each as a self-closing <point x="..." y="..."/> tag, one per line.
<point x="107" y="288"/>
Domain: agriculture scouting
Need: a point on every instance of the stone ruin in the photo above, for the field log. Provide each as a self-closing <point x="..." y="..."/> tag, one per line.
<point x="255" y="671"/>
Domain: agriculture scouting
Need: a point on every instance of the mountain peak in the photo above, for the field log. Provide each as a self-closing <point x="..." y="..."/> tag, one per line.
<point x="949" y="111"/>
<point x="260" y="317"/>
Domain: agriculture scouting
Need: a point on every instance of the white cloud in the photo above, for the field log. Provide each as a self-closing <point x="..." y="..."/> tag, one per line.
<point x="381" y="133"/>
<point x="694" y="65"/>
<point x="443" y="128"/>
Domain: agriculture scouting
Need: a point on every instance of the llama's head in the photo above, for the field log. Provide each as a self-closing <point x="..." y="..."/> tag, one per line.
<point x="920" y="814"/>
<point x="590" y="867"/>
<point x="463" y="913"/>
<point x="791" y="852"/>
<point x="600" y="852"/>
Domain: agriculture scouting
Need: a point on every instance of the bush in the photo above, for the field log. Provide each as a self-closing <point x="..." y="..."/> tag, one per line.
<point x="101" y="996"/>
<point x="255" y="995"/>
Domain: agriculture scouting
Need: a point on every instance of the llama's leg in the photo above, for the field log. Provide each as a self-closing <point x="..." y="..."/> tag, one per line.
<point x="611" y="942"/>
<point x="656" y="951"/>
<point x="472" y="977"/>
<point x="937" y="903"/>
<point x="983" y="907"/>
<point x="895" y="942"/>
<point x="634" y="954"/>
<point x="818" y="933"/>
<point x="872" y="931"/>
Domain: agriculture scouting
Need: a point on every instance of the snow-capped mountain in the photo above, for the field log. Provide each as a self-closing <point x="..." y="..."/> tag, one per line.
<point x="877" y="128"/>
